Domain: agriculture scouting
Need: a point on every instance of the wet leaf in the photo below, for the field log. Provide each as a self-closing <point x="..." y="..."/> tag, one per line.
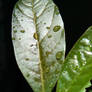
<point x="77" y="69"/>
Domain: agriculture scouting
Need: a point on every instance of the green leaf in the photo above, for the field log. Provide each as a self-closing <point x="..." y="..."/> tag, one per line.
<point x="90" y="90"/>
<point x="77" y="69"/>
<point x="39" y="42"/>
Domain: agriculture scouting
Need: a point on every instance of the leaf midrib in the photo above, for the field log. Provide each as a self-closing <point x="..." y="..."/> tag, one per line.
<point x="40" y="62"/>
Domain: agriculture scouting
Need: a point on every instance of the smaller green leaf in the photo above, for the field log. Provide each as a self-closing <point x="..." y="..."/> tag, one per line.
<point x="77" y="68"/>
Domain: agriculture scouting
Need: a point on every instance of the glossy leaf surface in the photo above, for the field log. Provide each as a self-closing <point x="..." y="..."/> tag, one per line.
<point x="39" y="42"/>
<point x="77" y="68"/>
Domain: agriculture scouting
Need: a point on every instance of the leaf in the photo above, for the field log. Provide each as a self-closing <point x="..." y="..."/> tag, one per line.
<point x="77" y="69"/>
<point x="39" y="42"/>
<point x="90" y="90"/>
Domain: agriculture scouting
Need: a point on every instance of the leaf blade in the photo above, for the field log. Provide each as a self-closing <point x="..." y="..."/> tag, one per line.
<point x="76" y="73"/>
<point x="36" y="44"/>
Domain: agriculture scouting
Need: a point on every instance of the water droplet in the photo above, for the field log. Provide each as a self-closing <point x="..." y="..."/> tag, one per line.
<point x="22" y="31"/>
<point x="51" y="84"/>
<point x="49" y="36"/>
<point x="76" y="67"/>
<point x="15" y="31"/>
<point x="28" y="75"/>
<point x="48" y="52"/>
<point x="84" y="63"/>
<point x="37" y="79"/>
<point x="13" y="26"/>
<point x="59" y="55"/>
<point x="27" y="59"/>
<point x="48" y="28"/>
<point x="85" y="41"/>
<point x="56" y="10"/>
<point x="56" y="28"/>
<point x="60" y="61"/>
<point x="53" y="63"/>
<point x="35" y="36"/>
<point x="19" y="38"/>
<point x="13" y="38"/>
<point x="21" y="19"/>
<point x="31" y="45"/>
<point x="44" y="66"/>
<point x="57" y="71"/>
<point x="44" y="23"/>
<point x="47" y="70"/>
<point x="87" y="48"/>
<point x="37" y="46"/>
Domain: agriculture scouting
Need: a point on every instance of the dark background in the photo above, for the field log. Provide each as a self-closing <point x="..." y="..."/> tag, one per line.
<point x="77" y="18"/>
